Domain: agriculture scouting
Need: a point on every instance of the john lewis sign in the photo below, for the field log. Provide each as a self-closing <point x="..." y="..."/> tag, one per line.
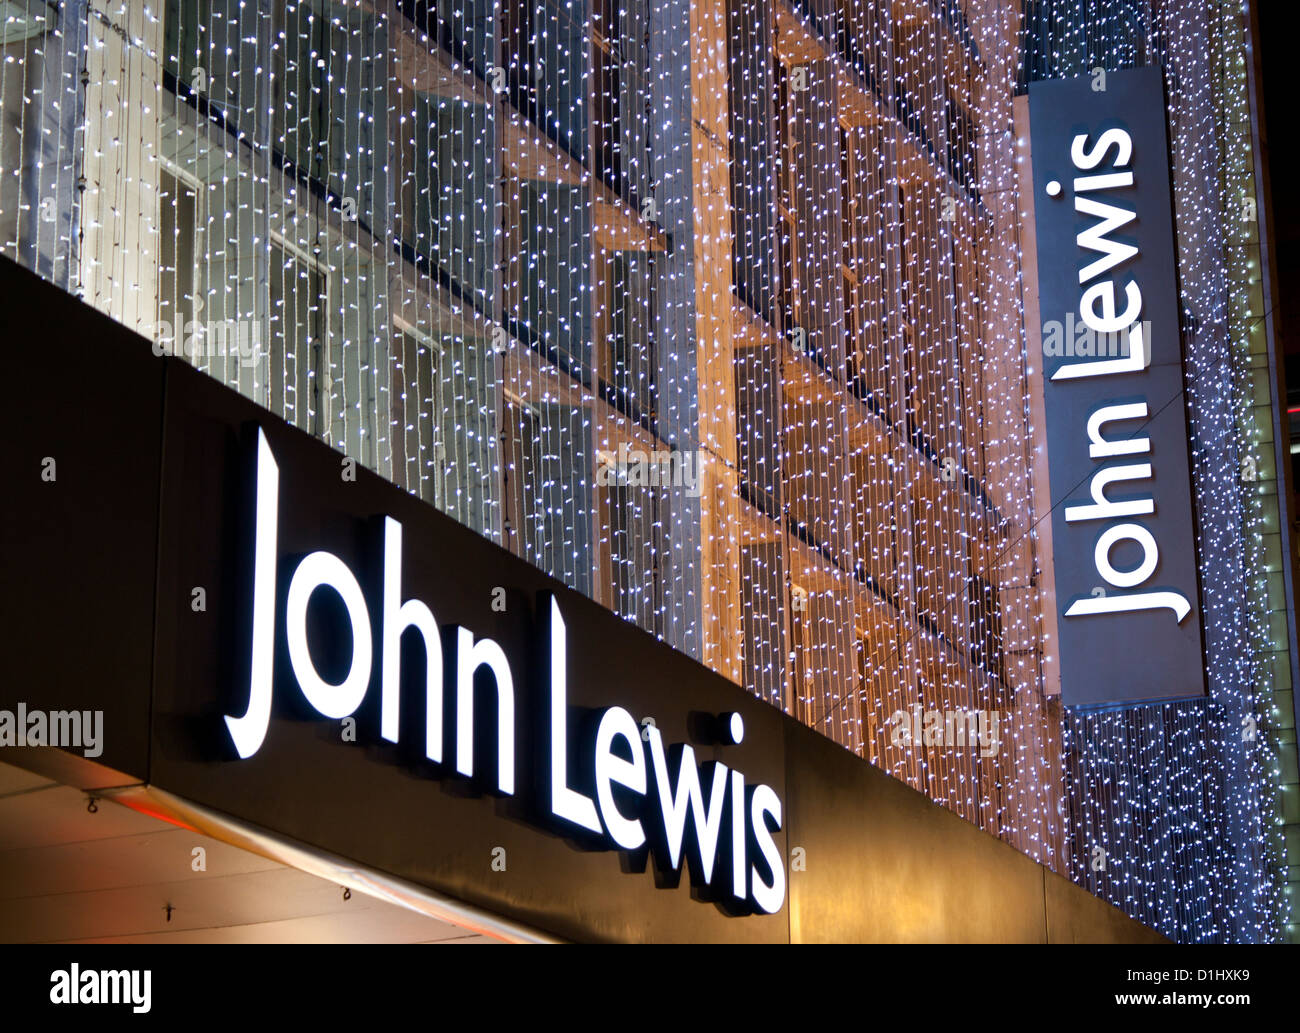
<point x="642" y="796"/>
<point x="1122" y="520"/>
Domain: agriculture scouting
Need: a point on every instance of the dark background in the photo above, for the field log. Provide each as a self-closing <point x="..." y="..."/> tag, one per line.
<point x="1277" y="75"/>
<point x="1277" y="56"/>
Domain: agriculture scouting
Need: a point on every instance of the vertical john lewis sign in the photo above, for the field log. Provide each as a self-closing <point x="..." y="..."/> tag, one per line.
<point x="1122" y="521"/>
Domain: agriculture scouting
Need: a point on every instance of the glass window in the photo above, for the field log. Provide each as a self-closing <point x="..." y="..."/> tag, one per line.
<point x="418" y="452"/>
<point x="448" y="193"/>
<point x="553" y="301"/>
<point x="296" y="338"/>
<point x="549" y="489"/>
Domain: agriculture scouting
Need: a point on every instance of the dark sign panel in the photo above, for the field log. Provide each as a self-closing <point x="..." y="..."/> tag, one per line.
<point x="1122" y="522"/>
<point x="457" y="716"/>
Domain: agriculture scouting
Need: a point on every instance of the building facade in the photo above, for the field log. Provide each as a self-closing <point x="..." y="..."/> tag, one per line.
<point x="717" y="311"/>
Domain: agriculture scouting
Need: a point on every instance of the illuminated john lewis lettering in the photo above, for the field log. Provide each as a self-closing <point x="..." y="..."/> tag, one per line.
<point x="1099" y="309"/>
<point x="646" y="795"/>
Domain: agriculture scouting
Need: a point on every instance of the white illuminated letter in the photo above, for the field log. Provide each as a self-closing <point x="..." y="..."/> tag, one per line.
<point x="689" y="797"/>
<point x="566" y="803"/>
<point x="739" y="861"/>
<point x="1106" y="321"/>
<point x="1090" y="158"/>
<point x="470" y="656"/>
<point x="249" y="731"/>
<point x="1135" y="362"/>
<point x="1103" y="508"/>
<point x="1107" y="181"/>
<point x="611" y="770"/>
<point x="325" y="570"/>
<point x="1130" y="603"/>
<point x="397" y="617"/>
<point x="1100" y="448"/>
<point x="1134" y="533"/>
<point x="1097" y="238"/>
<point x="767" y="895"/>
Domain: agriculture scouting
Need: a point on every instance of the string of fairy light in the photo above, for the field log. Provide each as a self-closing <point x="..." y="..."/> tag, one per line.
<point x="492" y="248"/>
